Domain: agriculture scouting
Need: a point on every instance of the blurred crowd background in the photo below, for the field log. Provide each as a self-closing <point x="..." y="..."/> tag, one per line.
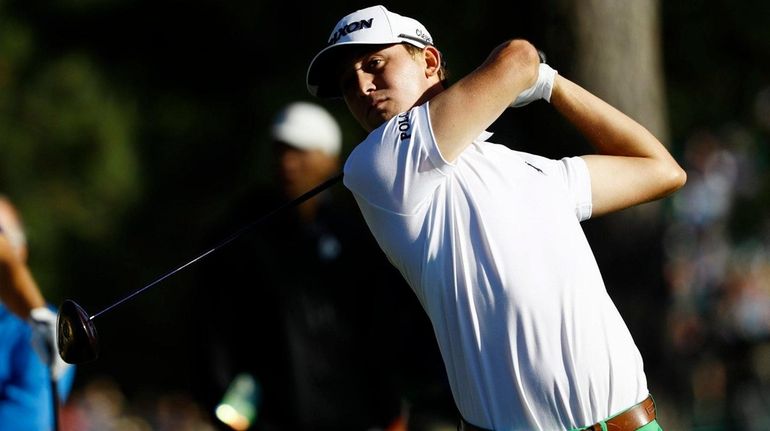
<point x="127" y="128"/>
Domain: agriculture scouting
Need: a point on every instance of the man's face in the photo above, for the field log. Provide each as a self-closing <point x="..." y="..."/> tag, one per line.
<point x="301" y="170"/>
<point x="381" y="83"/>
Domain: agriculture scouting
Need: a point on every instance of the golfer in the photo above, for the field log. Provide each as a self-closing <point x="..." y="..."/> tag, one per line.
<point x="489" y="238"/>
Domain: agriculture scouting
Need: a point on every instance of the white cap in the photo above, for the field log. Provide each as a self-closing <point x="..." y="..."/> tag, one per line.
<point x="308" y="126"/>
<point x="371" y="26"/>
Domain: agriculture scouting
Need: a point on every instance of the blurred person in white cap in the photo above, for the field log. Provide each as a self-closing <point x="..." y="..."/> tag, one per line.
<point x="489" y="238"/>
<point x="29" y="356"/>
<point x="325" y="335"/>
<point x="307" y="141"/>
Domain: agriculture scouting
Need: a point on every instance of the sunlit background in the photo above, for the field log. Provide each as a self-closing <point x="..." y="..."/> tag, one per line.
<point x="125" y="126"/>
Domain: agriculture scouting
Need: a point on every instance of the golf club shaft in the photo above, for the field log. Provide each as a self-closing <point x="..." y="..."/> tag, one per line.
<point x="295" y="202"/>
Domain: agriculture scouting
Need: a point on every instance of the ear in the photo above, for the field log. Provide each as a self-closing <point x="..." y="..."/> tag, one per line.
<point x="432" y="60"/>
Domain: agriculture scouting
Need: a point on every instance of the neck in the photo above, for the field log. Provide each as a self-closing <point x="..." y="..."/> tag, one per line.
<point x="431" y="92"/>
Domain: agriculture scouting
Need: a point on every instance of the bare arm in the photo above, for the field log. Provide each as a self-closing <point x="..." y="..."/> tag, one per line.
<point x="20" y="293"/>
<point x="632" y="166"/>
<point x="18" y="290"/>
<point x="468" y="107"/>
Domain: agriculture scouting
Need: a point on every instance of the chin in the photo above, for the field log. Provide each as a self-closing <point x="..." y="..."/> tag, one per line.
<point x="379" y="119"/>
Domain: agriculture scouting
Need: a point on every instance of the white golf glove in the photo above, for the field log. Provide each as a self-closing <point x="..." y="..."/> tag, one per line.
<point x="541" y="89"/>
<point x="43" y="323"/>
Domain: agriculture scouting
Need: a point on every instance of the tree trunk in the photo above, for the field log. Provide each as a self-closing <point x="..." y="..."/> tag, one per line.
<point x="619" y="58"/>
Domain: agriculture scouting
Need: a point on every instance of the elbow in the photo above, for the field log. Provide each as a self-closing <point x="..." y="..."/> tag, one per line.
<point x="674" y="179"/>
<point x="522" y="50"/>
<point x="678" y="177"/>
<point x="525" y="54"/>
<point x="521" y="55"/>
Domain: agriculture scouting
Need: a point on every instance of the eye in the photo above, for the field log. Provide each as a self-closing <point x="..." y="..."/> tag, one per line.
<point x="373" y="64"/>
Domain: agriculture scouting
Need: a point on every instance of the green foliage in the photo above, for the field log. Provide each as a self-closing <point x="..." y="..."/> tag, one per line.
<point x="67" y="138"/>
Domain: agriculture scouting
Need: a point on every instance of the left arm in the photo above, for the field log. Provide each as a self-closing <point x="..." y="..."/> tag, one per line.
<point x="18" y="290"/>
<point x="632" y="166"/>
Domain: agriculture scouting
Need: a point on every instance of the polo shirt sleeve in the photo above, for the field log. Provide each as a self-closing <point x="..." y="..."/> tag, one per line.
<point x="573" y="173"/>
<point x="398" y="166"/>
<point x="578" y="180"/>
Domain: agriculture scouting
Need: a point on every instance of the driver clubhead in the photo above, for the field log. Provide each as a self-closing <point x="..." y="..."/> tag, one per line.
<point x="77" y="338"/>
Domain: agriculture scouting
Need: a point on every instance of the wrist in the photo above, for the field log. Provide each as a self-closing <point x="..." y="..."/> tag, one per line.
<point x="559" y="90"/>
<point x="547" y="79"/>
<point x="542" y="88"/>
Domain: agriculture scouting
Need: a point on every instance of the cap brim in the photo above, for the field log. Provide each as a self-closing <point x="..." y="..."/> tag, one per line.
<point x="320" y="76"/>
<point x="322" y="80"/>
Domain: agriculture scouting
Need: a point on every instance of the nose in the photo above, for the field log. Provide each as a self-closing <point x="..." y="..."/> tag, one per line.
<point x="364" y="83"/>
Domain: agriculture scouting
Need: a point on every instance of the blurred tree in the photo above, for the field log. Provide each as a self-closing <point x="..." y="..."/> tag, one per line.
<point x="619" y="57"/>
<point x="67" y="142"/>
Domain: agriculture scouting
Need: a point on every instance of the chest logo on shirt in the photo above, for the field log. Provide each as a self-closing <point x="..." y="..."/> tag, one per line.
<point x="404" y="126"/>
<point x="535" y="167"/>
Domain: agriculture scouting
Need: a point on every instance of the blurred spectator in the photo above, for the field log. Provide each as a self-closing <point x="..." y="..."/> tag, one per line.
<point x="308" y="306"/>
<point x="30" y="366"/>
<point x="718" y="273"/>
<point x="101" y="405"/>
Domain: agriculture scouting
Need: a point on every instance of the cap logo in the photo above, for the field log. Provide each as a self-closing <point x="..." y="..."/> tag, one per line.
<point x="350" y="28"/>
<point x="423" y="36"/>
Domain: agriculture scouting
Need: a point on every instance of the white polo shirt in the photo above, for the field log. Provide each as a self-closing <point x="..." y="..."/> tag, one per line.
<point x="493" y="248"/>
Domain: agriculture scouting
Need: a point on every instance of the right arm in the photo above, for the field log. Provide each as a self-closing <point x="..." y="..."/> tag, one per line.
<point x="464" y="110"/>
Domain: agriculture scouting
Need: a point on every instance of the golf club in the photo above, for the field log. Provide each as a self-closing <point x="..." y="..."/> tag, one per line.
<point x="77" y="338"/>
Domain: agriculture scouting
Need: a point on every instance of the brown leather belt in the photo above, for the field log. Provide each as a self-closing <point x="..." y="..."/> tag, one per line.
<point x="630" y="420"/>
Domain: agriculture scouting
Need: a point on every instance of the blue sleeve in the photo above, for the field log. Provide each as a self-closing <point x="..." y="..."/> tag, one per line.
<point x="25" y="384"/>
